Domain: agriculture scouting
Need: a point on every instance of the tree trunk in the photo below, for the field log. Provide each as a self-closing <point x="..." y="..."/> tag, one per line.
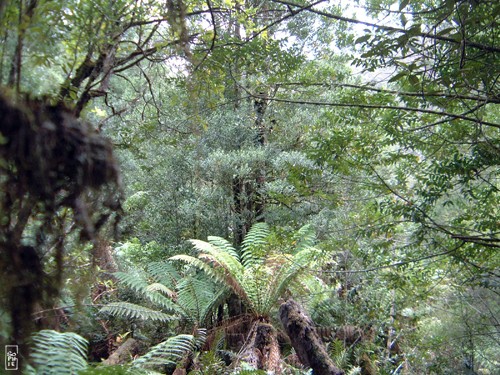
<point x="262" y="349"/>
<point x="305" y="340"/>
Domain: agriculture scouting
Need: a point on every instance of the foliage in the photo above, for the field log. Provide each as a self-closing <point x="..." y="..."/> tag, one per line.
<point x="373" y="123"/>
<point x="59" y="353"/>
<point x="133" y="311"/>
<point x="263" y="274"/>
<point x="190" y="298"/>
<point x="171" y="351"/>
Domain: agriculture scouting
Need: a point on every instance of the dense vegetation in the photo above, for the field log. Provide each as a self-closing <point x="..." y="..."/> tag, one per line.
<point x="175" y="174"/>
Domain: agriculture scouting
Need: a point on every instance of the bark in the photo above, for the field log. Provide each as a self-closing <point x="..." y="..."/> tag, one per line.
<point x="262" y="348"/>
<point x="25" y="16"/>
<point x="305" y="340"/>
<point x="123" y="354"/>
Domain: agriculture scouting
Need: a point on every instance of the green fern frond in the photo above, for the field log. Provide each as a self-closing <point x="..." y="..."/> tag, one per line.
<point x="193" y="295"/>
<point x="254" y="245"/>
<point x="224" y="245"/>
<point x="305" y="237"/>
<point x="161" y="301"/>
<point x="251" y="372"/>
<point x="223" y="258"/>
<point x="133" y="280"/>
<point x="168" y="352"/>
<point x="158" y="287"/>
<point x="165" y="273"/>
<point x="133" y="311"/>
<point x="339" y="353"/>
<point x="200" y="338"/>
<point x="202" y="266"/>
<point x="141" y="286"/>
<point x="296" y="265"/>
<point x="59" y="353"/>
<point x="220" y="295"/>
<point x="216" y="267"/>
<point x="258" y="283"/>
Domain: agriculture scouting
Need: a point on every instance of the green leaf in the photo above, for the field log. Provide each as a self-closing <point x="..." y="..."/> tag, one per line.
<point x="363" y="39"/>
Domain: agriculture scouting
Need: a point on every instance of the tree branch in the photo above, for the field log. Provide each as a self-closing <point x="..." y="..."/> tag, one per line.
<point x="468" y="43"/>
<point x="382" y="106"/>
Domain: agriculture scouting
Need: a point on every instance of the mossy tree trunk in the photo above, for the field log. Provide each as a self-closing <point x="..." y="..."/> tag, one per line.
<point x="305" y="340"/>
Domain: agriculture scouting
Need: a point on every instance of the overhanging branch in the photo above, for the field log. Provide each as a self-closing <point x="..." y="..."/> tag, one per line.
<point x="468" y="43"/>
<point x="453" y="116"/>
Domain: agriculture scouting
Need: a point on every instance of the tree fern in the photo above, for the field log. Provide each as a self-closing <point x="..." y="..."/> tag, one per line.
<point x="190" y="298"/>
<point x="133" y="311"/>
<point x="261" y="276"/>
<point x="58" y="353"/>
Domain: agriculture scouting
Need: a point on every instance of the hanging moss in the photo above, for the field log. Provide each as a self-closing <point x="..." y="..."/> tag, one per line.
<point x="49" y="160"/>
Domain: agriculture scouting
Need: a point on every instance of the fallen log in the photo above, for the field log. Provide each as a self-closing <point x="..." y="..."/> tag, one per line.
<point x="124" y="353"/>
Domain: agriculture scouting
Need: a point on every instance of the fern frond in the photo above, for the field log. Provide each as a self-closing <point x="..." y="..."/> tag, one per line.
<point x="224" y="245"/>
<point x="220" y="295"/>
<point x="133" y="280"/>
<point x="253" y="246"/>
<point x="200" y="338"/>
<point x="223" y="258"/>
<point x="161" y="301"/>
<point x="133" y="311"/>
<point x="202" y="266"/>
<point x="215" y="266"/>
<point x="250" y="372"/>
<point x="298" y="264"/>
<point x="141" y="286"/>
<point x="339" y="353"/>
<point x="165" y="273"/>
<point x="168" y="352"/>
<point x="258" y="283"/>
<point x="158" y="287"/>
<point x="193" y="295"/>
<point x="229" y="276"/>
<point x="305" y="237"/>
<point x="59" y="353"/>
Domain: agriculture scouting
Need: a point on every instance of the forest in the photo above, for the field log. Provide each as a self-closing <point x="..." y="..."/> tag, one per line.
<point x="202" y="187"/>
